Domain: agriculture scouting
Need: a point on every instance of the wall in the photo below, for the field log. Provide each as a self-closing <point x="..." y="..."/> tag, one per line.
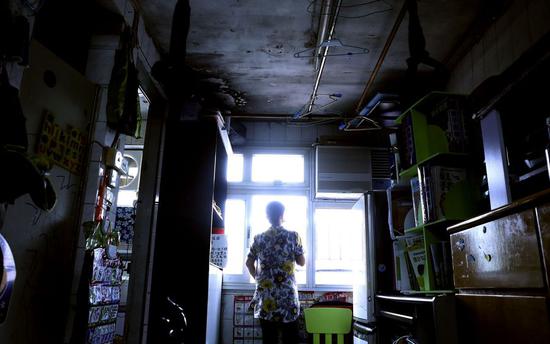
<point x="43" y="242"/>
<point x="507" y="38"/>
<point x="283" y="134"/>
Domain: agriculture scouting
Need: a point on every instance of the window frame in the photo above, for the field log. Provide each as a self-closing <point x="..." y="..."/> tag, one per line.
<point x="246" y="189"/>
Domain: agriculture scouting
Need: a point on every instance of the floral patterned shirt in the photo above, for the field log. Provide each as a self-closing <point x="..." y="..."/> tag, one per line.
<point x="276" y="295"/>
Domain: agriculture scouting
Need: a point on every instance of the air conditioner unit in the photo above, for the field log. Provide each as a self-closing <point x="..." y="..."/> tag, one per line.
<point x="348" y="171"/>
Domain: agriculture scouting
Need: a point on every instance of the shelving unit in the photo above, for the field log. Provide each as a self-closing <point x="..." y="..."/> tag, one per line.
<point x="435" y="158"/>
<point x="425" y="132"/>
<point x="434" y="137"/>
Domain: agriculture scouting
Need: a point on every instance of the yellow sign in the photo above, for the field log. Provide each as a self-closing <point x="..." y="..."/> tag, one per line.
<point x="65" y="148"/>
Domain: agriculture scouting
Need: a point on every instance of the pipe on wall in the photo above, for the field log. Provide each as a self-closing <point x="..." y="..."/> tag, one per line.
<point x="382" y="56"/>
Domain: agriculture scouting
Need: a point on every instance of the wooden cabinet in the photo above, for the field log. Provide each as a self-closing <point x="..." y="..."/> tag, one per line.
<point x="181" y="268"/>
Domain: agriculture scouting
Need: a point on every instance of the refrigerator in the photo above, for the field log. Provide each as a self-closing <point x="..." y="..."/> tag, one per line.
<point x="374" y="270"/>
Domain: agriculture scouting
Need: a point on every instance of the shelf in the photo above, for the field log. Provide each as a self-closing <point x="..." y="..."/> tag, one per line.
<point x="533" y="173"/>
<point x="418" y="229"/>
<point x="426" y="103"/>
<point x="435" y="158"/>
<point x="216" y="210"/>
<point x="416" y="292"/>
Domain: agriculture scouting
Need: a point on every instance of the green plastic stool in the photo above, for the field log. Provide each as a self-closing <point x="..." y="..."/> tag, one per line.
<point x="328" y="321"/>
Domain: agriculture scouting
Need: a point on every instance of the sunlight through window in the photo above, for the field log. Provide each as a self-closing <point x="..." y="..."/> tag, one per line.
<point x="295" y="219"/>
<point x="336" y="238"/>
<point x="285" y="168"/>
<point x="235" y="168"/>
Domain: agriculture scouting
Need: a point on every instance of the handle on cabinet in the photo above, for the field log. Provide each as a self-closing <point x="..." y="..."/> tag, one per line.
<point x="399" y="317"/>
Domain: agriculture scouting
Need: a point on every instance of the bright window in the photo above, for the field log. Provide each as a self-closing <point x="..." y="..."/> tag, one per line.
<point x="262" y="176"/>
<point x="295" y="219"/>
<point x="235" y="168"/>
<point x="235" y="230"/>
<point x="284" y="168"/>
<point x="336" y="245"/>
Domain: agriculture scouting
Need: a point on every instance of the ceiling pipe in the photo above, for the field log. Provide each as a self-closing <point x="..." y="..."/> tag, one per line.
<point x="267" y="117"/>
<point x="324" y="56"/>
<point x="382" y="57"/>
<point x="324" y="21"/>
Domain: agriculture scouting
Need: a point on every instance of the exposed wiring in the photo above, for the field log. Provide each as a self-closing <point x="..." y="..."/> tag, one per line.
<point x="389" y="8"/>
<point x="291" y="123"/>
<point x="407" y="337"/>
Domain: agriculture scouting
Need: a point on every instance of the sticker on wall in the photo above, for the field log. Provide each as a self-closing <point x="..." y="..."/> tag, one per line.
<point x="218" y="252"/>
<point x="63" y="147"/>
<point x="246" y="329"/>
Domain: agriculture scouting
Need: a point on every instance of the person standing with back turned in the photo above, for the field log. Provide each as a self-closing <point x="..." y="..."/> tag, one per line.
<point x="271" y="263"/>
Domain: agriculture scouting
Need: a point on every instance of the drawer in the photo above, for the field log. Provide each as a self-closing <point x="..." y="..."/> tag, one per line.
<point x="503" y="253"/>
<point x="499" y="319"/>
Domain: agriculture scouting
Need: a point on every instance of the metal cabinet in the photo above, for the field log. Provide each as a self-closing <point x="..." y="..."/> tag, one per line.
<point x="543" y="220"/>
<point x="503" y="319"/>
<point x="500" y="267"/>
<point x="502" y="253"/>
<point x="428" y="319"/>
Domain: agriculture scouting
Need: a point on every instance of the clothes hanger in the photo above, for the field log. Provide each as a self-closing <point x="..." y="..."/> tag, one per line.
<point x="334" y="44"/>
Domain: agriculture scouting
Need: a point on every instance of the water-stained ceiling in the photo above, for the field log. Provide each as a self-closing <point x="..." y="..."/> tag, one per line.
<point x="249" y="47"/>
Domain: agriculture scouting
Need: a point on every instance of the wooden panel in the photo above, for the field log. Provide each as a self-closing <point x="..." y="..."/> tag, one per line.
<point x="503" y="253"/>
<point x="182" y="242"/>
<point x="502" y="319"/>
<point x="543" y="219"/>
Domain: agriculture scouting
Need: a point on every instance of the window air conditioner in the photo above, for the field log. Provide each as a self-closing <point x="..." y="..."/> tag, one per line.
<point x="348" y="171"/>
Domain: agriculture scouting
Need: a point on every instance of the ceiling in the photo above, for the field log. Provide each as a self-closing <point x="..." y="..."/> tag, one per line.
<point x="249" y="47"/>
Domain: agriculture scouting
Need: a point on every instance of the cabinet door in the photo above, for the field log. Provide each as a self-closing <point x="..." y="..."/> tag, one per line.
<point x="502" y="319"/>
<point x="543" y="217"/>
<point x="503" y="253"/>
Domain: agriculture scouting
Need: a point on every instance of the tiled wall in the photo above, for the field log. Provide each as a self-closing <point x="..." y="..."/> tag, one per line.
<point x="507" y="38"/>
<point x="252" y="327"/>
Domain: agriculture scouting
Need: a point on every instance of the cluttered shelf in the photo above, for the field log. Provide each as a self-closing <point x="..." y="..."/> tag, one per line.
<point x="438" y="224"/>
<point x="447" y="157"/>
<point x="428" y="103"/>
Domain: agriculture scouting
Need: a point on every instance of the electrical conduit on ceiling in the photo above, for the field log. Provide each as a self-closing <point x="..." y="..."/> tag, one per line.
<point x="322" y="31"/>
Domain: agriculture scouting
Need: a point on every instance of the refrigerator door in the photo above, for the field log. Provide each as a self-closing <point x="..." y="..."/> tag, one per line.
<point x="363" y="285"/>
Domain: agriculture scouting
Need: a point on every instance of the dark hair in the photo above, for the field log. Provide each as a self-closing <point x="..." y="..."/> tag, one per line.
<point x="274" y="212"/>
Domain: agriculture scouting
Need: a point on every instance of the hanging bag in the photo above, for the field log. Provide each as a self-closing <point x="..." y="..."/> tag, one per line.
<point x="123" y="111"/>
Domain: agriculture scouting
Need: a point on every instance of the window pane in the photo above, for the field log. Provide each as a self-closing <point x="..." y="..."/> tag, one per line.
<point x="234" y="229"/>
<point x="336" y="245"/>
<point x="235" y="163"/>
<point x="285" y="168"/>
<point x="295" y="219"/>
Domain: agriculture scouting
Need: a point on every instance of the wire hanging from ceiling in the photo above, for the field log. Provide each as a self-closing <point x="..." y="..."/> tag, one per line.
<point x="363" y="4"/>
